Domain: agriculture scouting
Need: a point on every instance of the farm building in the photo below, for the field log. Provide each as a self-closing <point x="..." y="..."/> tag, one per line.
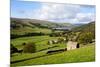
<point x="72" y="45"/>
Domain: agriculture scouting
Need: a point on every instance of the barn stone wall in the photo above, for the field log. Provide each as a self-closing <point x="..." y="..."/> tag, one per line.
<point x="71" y="45"/>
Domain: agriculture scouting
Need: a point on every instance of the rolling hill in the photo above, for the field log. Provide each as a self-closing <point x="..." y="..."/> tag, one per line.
<point x="37" y="23"/>
<point x="22" y="26"/>
<point x="90" y="27"/>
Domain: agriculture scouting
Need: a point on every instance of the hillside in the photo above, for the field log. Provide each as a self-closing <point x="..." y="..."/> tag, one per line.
<point x="38" y="23"/>
<point x="85" y="53"/>
<point x="78" y="55"/>
<point x="90" y="27"/>
<point x="22" y="26"/>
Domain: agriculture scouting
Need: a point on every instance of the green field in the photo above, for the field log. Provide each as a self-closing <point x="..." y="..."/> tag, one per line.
<point x="40" y="32"/>
<point x="84" y="54"/>
<point x="24" y="30"/>
<point x="40" y="41"/>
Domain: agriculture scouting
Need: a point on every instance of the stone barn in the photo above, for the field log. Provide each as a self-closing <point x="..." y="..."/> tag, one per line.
<point x="72" y="45"/>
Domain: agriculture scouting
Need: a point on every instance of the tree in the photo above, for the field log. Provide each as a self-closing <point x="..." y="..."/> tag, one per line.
<point x="13" y="49"/>
<point x="85" y="38"/>
<point x="29" y="48"/>
<point x="66" y="38"/>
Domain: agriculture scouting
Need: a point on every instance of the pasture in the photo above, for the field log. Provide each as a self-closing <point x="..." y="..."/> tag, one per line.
<point x="22" y="31"/>
<point x="40" y="41"/>
<point x="86" y="53"/>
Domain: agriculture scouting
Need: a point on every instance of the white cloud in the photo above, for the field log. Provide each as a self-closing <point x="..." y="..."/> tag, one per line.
<point x="57" y="11"/>
<point x="85" y="17"/>
<point x="62" y="13"/>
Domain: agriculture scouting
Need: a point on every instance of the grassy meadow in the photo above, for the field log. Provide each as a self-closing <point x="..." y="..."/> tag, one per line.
<point x="86" y="52"/>
<point x="41" y="41"/>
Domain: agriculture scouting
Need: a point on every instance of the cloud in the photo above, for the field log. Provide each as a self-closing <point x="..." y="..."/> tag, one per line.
<point x="62" y="13"/>
<point x="84" y="18"/>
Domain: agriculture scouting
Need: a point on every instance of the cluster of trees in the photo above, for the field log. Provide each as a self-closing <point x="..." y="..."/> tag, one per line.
<point x="55" y="34"/>
<point x="81" y="37"/>
<point x="27" y="48"/>
<point x="13" y="36"/>
<point x="87" y="34"/>
<point x="86" y="37"/>
<point x="13" y="49"/>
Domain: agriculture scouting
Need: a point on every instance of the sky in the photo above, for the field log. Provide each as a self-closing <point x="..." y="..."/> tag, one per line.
<point x="55" y="12"/>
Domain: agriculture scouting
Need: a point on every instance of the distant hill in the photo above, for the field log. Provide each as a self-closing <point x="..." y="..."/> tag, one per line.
<point x="90" y="27"/>
<point x="21" y="26"/>
<point x="37" y="23"/>
<point x="78" y="24"/>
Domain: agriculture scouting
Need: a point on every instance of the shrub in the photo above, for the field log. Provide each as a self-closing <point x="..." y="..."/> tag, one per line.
<point x="66" y="38"/>
<point x="29" y="48"/>
<point x="24" y="44"/>
<point x="13" y="49"/>
<point x="56" y="34"/>
<point x="85" y="37"/>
